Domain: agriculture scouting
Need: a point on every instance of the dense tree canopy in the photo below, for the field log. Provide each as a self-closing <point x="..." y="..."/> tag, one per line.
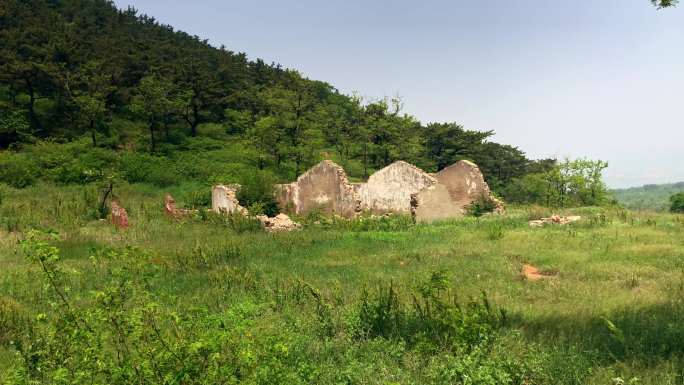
<point x="664" y="3"/>
<point x="72" y="69"/>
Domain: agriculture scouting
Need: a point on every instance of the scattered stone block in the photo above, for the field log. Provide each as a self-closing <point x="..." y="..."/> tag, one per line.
<point x="555" y="220"/>
<point x="280" y="222"/>
<point x="119" y="216"/>
<point x="172" y="211"/>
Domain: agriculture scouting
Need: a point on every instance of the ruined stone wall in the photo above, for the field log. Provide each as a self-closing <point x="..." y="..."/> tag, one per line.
<point x="324" y="187"/>
<point x="389" y="190"/>
<point x="457" y="187"/>
<point x="224" y="200"/>
<point x="397" y="188"/>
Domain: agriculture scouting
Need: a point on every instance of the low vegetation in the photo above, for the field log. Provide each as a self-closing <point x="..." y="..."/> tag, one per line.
<point x="648" y="197"/>
<point x="367" y="301"/>
<point x="677" y="203"/>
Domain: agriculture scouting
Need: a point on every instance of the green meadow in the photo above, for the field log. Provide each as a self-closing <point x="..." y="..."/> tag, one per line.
<point x="376" y="300"/>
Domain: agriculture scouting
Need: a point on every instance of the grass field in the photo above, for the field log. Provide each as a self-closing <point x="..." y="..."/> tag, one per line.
<point x="373" y="301"/>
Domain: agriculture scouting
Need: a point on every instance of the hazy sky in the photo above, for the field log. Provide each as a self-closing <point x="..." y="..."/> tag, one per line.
<point x="579" y="78"/>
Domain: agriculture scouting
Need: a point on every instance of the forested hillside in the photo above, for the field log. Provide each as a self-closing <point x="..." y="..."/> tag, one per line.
<point x="648" y="197"/>
<point x="81" y="78"/>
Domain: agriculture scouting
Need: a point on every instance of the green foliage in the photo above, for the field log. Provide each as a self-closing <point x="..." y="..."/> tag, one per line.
<point x="482" y="205"/>
<point x="434" y="322"/>
<point x="569" y="184"/>
<point x="257" y="193"/>
<point x="13" y="126"/>
<point x="177" y="96"/>
<point x="146" y="168"/>
<point x="13" y="321"/>
<point x="364" y="223"/>
<point x="664" y="3"/>
<point x="677" y="203"/>
<point x="17" y="170"/>
<point x="237" y="304"/>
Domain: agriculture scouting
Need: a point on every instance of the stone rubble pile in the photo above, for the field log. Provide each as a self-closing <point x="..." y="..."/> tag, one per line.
<point x="172" y="211"/>
<point x="555" y="220"/>
<point x="280" y="222"/>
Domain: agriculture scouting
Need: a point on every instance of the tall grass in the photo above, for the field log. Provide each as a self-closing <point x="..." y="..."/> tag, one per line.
<point x="376" y="300"/>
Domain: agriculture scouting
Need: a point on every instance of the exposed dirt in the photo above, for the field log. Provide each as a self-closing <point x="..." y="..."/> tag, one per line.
<point x="532" y="273"/>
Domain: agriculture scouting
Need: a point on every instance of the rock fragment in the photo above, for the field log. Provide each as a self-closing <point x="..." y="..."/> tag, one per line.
<point x="280" y="222"/>
<point x="174" y="212"/>
<point x="119" y="216"/>
<point x="554" y="220"/>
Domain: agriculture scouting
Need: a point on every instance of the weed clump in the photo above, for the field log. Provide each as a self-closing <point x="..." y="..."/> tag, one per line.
<point x="433" y="320"/>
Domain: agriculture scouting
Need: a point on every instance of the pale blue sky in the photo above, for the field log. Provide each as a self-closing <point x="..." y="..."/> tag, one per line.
<point x="598" y="79"/>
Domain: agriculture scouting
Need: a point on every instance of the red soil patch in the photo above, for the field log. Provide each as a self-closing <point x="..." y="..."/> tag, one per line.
<point x="531" y="273"/>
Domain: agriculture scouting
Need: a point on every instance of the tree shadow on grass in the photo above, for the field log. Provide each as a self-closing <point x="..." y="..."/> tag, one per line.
<point x="647" y="335"/>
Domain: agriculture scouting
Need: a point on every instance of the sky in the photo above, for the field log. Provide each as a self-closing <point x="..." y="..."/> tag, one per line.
<point x="556" y="78"/>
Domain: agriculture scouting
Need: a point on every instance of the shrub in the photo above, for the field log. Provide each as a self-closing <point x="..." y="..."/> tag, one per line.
<point x="677" y="203"/>
<point x="435" y="320"/>
<point x="482" y="205"/>
<point x="570" y="183"/>
<point x="17" y="170"/>
<point x="145" y="168"/>
<point x="257" y="191"/>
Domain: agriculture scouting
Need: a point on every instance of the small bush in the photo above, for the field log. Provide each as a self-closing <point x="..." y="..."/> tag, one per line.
<point x="17" y="170"/>
<point x="435" y="320"/>
<point x="481" y="206"/>
<point x="677" y="203"/>
<point x="257" y="191"/>
<point x="145" y="168"/>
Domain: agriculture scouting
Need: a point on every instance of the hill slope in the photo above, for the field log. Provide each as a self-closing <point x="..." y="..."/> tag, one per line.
<point x="648" y="197"/>
<point x="73" y="69"/>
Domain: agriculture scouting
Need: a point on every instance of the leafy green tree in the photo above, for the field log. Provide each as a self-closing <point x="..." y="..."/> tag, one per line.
<point x="268" y="138"/>
<point x="90" y="90"/>
<point x="156" y="103"/>
<point x="13" y="126"/>
<point x="570" y="183"/>
<point x="447" y="143"/>
<point x="664" y="3"/>
<point x="677" y="203"/>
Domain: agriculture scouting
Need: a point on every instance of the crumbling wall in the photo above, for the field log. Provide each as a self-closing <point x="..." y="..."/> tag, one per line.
<point x="397" y="188"/>
<point x="324" y="187"/>
<point x="224" y="200"/>
<point x="457" y="187"/>
<point x="389" y="190"/>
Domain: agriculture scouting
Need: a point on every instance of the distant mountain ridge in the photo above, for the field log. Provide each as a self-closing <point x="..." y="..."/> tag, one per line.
<point x="649" y="196"/>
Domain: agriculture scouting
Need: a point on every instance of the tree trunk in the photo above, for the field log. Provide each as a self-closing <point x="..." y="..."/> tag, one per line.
<point x="195" y="120"/>
<point x="92" y="132"/>
<point x="365" y="159"/>
<point x="35" y="124"/>
<point x="295" y="137"/>
<point x="153" y="144"/>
